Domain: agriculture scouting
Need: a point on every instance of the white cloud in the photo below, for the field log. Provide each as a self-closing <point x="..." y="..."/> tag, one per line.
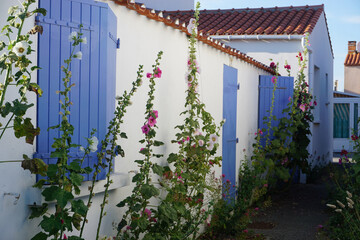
<point x="353" y="19"/>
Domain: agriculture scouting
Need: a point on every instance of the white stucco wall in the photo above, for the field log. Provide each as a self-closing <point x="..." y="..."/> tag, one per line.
<point x="140" y="42"/>
<point x="320" y="56"/>
<point x="169" y="5"/>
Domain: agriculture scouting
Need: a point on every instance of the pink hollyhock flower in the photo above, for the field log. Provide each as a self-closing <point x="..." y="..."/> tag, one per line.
<point x="273" y="79"/>
<point x="354" y="137"/>
<point x="227" y="180"/>
<point x="287" y="67"/>
<point x="315" y="103"/>
<point x="145" y="129"/>
<point x="142" y="149"/>
<point x="289" y="98"/>
<point x="245" y="231"/>
<point x="340" y="161"/>
<point x="148" y="75"/>
<point x="156" y="113"/>
<point x="158" y="73"/>
<point x="211" y="163"/>
<point x="211" y="146"/>
<point x="256" y="209"/>
<point x="266" y="185"/>
<point x="128" y="227"/>
<point x="302" y="107"/>
<point x="187" y="138"/>
<point x="62" y="221"/>
<point x="189" y="62"/>
<point x="343" y="152"/>
<point x="272" y="65"/>
<point x="224" y="195"/>
<point x="151" y="121"/>
<point x="147" y="212"/>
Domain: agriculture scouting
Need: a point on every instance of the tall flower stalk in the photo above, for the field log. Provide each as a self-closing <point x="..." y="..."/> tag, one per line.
<point x="18" y="68"/>
<point x="139" y="217"/>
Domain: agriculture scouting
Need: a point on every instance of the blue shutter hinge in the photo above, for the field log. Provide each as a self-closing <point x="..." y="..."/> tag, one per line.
<point x="237" y="140"/>
<point x="238" y="86"/>
<point x="116" y="40"/>
<point x="118" y="43"/>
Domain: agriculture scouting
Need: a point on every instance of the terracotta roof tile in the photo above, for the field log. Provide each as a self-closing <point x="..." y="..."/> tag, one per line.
<point x="170" y="21"/>
<point x="352" y="59"/>
<point x="278" y="20"/>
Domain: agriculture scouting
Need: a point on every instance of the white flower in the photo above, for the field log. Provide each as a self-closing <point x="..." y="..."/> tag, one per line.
<point x="201" y="143"/>
<point x="191" y="26"/>
<point x="20" y="48"/>
<point x="72" y="36"/>
<point x="78" y="55"/>
<point x="82" y="149"/>
<point x="94" y="144"/>
<point x="197" y="132"/>
<point x="83" y="40"/>
<point x="210" y="146"/>
<point x="214" y="138"/>
<point x="331" y="206"/>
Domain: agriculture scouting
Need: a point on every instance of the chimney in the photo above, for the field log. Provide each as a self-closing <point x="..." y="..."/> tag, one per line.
<point x="352" y="47"/>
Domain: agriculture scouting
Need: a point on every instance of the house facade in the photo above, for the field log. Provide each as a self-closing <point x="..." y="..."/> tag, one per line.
<point x="352" y="69"/>
<point x="108" y="67"/>
<point x="277" y="34"/>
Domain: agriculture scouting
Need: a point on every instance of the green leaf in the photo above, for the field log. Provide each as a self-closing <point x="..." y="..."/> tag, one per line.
<point x="79" y="207"/>
<point x="75" y="237"/>
<point x="50" y="224"/>
<point x="76" y="178"/>
<point x="123" y="135"/>
<point x="39" y="183"/>
<point x="35" y="166"/>
<point x="75" y="165"/>
<point x="137" y="177"/>
<point x="41" y="11"/>
<point x="172" y="158"/>
<point x="50" y="193"/>
<point x="52" y="170"/>
<point x="76" y="221"/>
<point x="121" y="204"/>
<point x="356" y="168"/>
<point x="159" y="170"/>
<point x="87" y="170"/>
<point x="158" y="143"/>
<point x="37" y="211"/>
<point x="122" y="224"/>
<point x="40" y="236"/>
<point x="149" y="191"/>
<point x="25" y="129"/>
<point x="166" y="210"/>
<point x="63" y="197"/>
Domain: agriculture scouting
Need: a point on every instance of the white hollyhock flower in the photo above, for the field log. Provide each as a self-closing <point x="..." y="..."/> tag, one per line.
<point x="78" y="55"/>
<point x="83" y="40"/>
<point x="214" y="138"/>
<point x="210" y="146"/>
<point x="20" y="48"/>
<point x="72" y="36"/>
<point x="82" y="149"/>
<point x="201" y="143"/>
<point x="191" y="26"/>
<point x="94" y="144"/>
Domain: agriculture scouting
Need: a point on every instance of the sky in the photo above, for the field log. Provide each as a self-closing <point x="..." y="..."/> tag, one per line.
<point x="343" y="17"/>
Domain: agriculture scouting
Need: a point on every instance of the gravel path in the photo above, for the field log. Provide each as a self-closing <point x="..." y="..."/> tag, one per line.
<point x="294" y="215"/>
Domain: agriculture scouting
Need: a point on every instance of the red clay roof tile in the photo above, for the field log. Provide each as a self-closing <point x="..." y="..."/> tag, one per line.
<point x="278" y="20"/>
<point x="352" y="59"/>
<point x="171" y="22"/>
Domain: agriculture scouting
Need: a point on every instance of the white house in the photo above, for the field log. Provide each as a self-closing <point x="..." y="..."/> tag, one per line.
<point x="106" y="71"/>
<point x="278" y="34"/>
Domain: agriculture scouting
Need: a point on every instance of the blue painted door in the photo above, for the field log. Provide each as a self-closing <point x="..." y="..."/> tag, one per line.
<point x="284" y="90"/>
<point x="229" y="140"/>
<point x="93" y="96"/>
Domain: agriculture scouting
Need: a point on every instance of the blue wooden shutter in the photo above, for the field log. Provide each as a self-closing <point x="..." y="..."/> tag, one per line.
<point x="229" y="129"/>
<point x="285" y="89"/>
<point x="94" y="76"/>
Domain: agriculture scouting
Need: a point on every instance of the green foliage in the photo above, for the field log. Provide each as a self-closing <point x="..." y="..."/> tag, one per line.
<point x="287" y="150"/>
<point x="15" y="62"/>
<point x="138" y="218"/>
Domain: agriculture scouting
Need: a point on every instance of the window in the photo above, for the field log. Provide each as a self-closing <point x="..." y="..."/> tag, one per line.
<point x="341" y="120"/>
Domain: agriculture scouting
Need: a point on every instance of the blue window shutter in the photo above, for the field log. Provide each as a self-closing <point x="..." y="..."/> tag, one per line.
<point x="285" y="89"/>
<point x="91" y="75"/>
<point x="229" y="140"/>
